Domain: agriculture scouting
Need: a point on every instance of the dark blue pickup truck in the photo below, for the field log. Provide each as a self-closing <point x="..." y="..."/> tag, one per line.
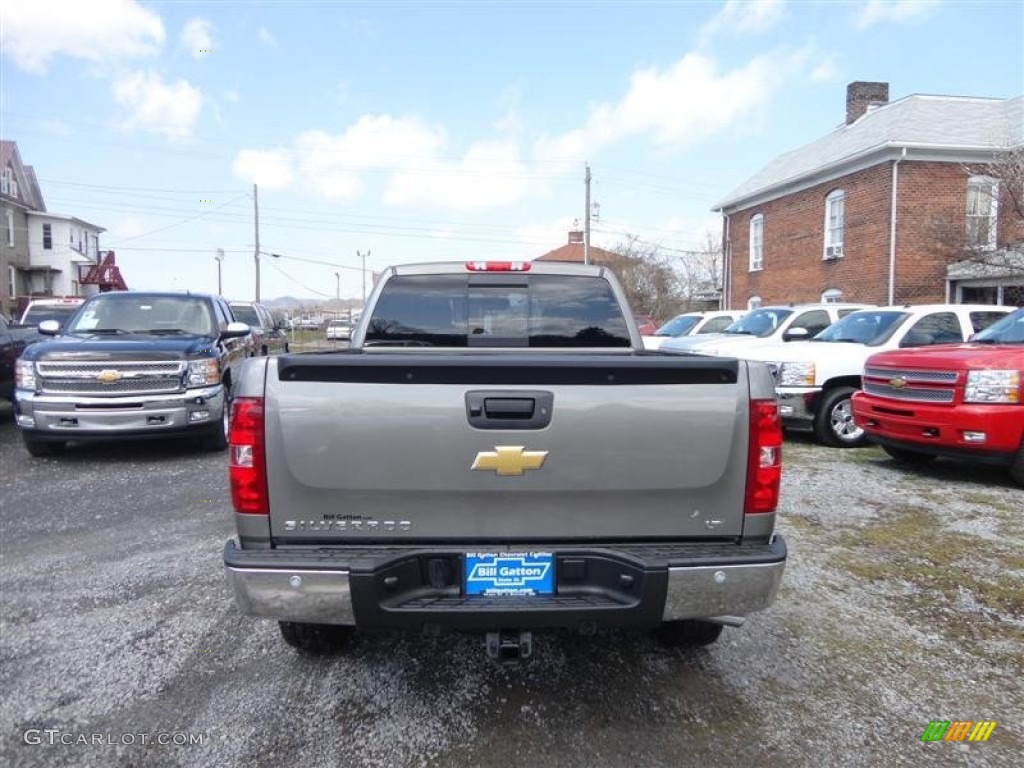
<point x="13" y="340"/>
<point x="129" y="364"/>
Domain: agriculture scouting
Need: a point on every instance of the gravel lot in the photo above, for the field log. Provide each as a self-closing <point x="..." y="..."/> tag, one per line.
<point x="903" y="602"/>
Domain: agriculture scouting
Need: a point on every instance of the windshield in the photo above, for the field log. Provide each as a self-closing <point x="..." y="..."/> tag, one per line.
<point x="868" y="327"/>
<point x="1009" y="330"/>
<point x="38" y="314"/>
<point x="246" y="313"/>
<point x="129" y="313"/>
<point x="760" y="322"/>
<point x="678" y="326"/>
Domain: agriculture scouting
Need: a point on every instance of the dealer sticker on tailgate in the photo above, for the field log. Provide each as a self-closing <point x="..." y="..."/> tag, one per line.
<point x="509" y="573"/>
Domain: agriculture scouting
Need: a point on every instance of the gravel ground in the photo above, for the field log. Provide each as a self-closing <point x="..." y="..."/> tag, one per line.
<point x="903" y="602"/>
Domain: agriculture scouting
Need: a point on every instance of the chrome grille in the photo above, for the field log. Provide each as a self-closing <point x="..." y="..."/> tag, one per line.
<point x="919" y="394"/>
<point x="931" y="377"/>
<point x="65" y="377"/>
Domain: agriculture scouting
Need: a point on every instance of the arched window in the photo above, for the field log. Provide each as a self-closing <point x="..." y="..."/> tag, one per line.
<point x="756" y="241"/>
<point x="835" y="205"/>
<point x="832" y="296"/>
<point x="754" y="302"/>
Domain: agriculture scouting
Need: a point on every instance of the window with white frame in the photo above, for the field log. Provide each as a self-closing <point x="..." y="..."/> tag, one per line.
<point x="10" y="227"/>
<point x="832" y="296"/>
<point x="12" y="282"/>
<point x="7" y="183"/>
<point x="47" y="237"/>
<point x="754" y="302"/>
<point x="982" y="210"/>
<point x="835" y="205"/>
<point x="756" y="241"/>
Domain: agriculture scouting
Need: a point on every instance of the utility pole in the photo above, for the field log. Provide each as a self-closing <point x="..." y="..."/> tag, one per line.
<point x="586" y="226"/>
<point x="220" y="258"/>
<point x="363" y="257"/>
<point x="256" y="255"/>
<point x="337" y="285"/>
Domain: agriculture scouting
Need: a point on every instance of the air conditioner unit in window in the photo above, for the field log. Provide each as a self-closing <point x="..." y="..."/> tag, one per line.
<point x="833" y="251"/>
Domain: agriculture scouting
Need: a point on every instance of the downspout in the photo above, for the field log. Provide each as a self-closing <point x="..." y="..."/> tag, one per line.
<point x="892" y="228"/>
<point x="726" y="269"/>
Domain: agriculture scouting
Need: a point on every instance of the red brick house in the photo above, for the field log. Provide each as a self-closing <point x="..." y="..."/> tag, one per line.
<point x="901" y="204"/>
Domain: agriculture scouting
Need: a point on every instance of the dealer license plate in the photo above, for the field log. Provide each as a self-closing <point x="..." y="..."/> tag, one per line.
<point x="509" y="573"/>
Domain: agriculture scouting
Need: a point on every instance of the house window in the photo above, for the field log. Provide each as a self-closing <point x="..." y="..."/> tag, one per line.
<point x="756" y="241"/>
<point x="982" y="205"/>
<point x="832" y="296"/>
<point x="47" y="238"/>
<point x="12" y="282"/>
<point x="10" y="227"/>
<point x="754" y="302"/>
<point x="7" y="183"/>
<point x="835" y="205"/>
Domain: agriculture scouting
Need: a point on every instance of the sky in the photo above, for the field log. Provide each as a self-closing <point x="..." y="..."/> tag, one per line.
<point x="423" y="131"/>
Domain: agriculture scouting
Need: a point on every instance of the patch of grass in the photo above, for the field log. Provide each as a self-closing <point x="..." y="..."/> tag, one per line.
<point x="912" y="548"/>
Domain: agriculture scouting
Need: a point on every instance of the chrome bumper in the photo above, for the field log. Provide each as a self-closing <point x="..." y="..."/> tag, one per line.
<point x="70" y="414"/>
<point x="722" y="594"/>
<point x="793" y="405"/>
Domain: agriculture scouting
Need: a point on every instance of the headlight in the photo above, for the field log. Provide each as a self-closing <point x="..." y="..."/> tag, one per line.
<point x="796" y="375"/>
<point x="992" y="387"/>
<point x="203" y="373"/>
<point x="25" y="374"/>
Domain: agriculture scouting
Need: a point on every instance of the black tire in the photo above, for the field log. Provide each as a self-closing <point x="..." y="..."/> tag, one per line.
<point x="42" y="448"/>
<point x="833" y="423"/>
<point x="908" y="457"/>
<point x="688" y="632"/>
<point x="316" y="639"/>
<point x="1017" y="468"/>
<point x="217" y="439"/>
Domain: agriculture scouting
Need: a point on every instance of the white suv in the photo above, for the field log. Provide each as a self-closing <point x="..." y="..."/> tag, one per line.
<point x="764" y="326"/>
<point x="815" y="379"/>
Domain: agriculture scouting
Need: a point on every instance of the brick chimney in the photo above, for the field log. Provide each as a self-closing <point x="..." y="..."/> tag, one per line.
<point x="575" y="236"/>
<point x="860" y="96"/>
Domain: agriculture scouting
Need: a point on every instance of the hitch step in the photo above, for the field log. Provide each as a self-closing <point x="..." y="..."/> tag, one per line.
<point x="509" y="645"/>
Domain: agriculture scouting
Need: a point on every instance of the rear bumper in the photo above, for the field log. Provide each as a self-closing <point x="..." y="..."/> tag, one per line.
<point x="596" y="586"/>
<point x="73" y="417"/>
<point x="988" y="433"/>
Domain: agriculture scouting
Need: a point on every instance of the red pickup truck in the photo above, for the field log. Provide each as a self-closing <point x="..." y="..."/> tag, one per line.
<point x="963" y="401"/>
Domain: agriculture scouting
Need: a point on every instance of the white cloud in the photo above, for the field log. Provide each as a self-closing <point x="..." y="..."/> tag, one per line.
<point x="35" y="31"/>
<point x="894" y="11"/>
<point x="333" y="163"/>
<point x="677" y="107"/>
<point x="489" y="175"/>
<point x="744" y="17"/>
<point x="197" y="37"/>
<point x="267" y="38"/>
<point x="271" y="169"/>
<point x="231" y="95"/>
<point x="826" y="71"/>
<point x="168" y="108"/>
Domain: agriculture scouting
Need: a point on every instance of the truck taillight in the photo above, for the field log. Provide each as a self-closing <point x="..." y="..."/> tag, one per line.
<point x="498" y="266"/>
<point x="764" y="460"/>
<point x="247" y="465"/>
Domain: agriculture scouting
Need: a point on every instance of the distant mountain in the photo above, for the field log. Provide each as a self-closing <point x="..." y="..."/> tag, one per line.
<point x="292" y="302"/>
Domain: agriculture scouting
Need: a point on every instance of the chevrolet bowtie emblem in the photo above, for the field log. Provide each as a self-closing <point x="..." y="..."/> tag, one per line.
<point x="509" y="460"/>
<point x="108" y="376"/>
<point x="899" y="382"/>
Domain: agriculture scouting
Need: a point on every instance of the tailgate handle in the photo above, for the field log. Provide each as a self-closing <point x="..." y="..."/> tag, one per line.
<point x="509" y="409"/>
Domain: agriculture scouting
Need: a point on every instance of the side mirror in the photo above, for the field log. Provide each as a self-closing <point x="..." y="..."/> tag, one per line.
<point x="49" y="327"/>
<point x="235" y="330"/>
<point x="796" y="333"/>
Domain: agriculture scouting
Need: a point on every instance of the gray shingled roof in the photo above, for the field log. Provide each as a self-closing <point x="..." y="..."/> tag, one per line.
<point x="927" y="122"/>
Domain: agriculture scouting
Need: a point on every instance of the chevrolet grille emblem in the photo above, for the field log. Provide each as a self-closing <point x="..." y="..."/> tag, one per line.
<point x="898" y="383"/>
<point x="509" y="460"/>
<point x="108" y="376"/>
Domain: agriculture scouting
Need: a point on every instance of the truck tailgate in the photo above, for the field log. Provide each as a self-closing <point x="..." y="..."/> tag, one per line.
<point x="380" y="446"/>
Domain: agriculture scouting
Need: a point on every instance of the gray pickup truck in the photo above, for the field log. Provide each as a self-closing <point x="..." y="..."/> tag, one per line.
<point x="497" y="453"/>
